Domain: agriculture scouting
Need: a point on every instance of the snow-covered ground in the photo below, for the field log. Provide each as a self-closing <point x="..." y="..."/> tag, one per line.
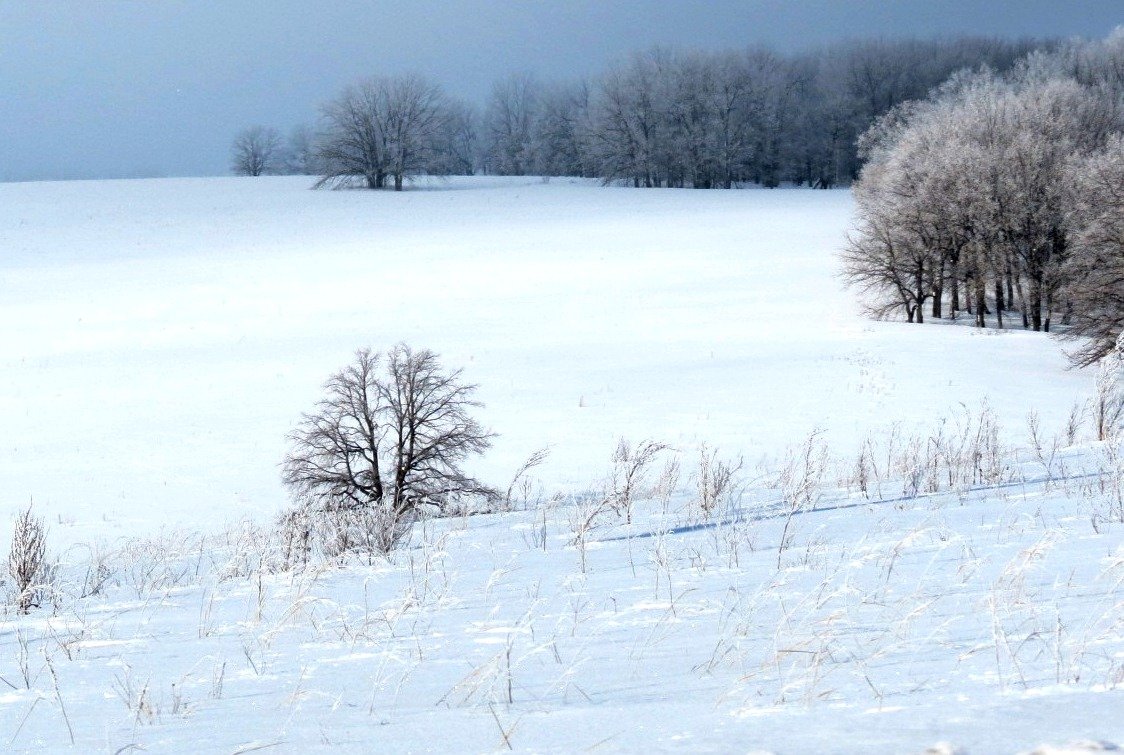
<point x="986" y="616"/>
<point x="941" y="583"/>
<point x="162" y="336"/>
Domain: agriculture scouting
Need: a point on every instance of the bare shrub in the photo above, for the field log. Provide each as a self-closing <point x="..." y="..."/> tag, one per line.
<point x="667" y="484"/>
<point x="161" y="563"/>
<point x="629" y="476"/>
<point x="1112" y="481"/>
<point x="627" y="483"/>
<point x="972" y="453"/>
<point x="295" y="530"/>
<point x="1045" y="452"/>
<point x="520" y="480"/>
<point x="584" y="515"/>
<point x="1073" y="422"/>
<point x="27" y="560"/>
<point x="99" y="573"/>
<point x="864" y="473"/>
<point x="1107" y="404"/>
<point x="800" y="483"/>
<point x="367" y="532"/>
<point x="714" y="481"/>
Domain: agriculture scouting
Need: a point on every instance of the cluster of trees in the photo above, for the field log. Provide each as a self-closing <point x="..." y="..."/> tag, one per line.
<point x="660" y="118"/>
<point x="262" y="151"/>
<point x="716" y="120"/>
<point x="1001" y="193"/>
<point x="380" y="132"/>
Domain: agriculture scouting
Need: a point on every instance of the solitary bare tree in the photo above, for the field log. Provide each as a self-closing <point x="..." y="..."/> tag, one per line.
<point x="386" y="443"/>
<point x="256" y="151"/>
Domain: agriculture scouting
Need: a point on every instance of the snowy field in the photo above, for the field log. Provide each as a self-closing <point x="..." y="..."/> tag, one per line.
<point x="926" y="572"/>
<point x="161" y="337"/>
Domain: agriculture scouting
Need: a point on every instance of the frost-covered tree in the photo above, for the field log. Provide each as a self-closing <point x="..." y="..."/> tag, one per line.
<point x="415" y="116"/>
<point x="630" y="124"/>
<point x="353" y="141"/>
<point x="300" y="152"/>
<point x="456" y="149"/>
<point x="509" y="122"/>
<point x="256" y="151"/>
<point x="560" y="134"/>
<point x="384" y="128"/>
<point x="1094" y="271"/>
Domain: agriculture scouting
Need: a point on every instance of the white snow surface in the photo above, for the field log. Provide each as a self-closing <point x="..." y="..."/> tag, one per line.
<point x="163" y="336"/>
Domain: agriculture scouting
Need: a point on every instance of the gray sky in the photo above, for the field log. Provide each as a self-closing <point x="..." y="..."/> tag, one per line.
<point x="108" y="88"/>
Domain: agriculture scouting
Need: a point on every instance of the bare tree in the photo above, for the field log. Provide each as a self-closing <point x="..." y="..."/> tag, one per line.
<point x="509" y="122"/>
<point x="256" y="151"/>
<point x="384" y="127"/>
<point x="561" y="131"/>
<point x="353" y="143"/>
<point x="456" y="149"/>
<point x="416" y="110"/>
<point x="300" y="152"/>
<point x="387" y="443"/>
<point x="631" y="126"/>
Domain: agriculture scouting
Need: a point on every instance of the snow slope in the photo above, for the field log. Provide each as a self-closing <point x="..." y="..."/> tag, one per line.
<point x="162" y="336"/>
<point x="987" y="616"/>
<point x="947" y="585"/>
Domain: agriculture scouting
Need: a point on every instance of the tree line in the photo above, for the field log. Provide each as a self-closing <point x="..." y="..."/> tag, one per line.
<point x="1002" y="196"/>
<point x="659" y="118"/>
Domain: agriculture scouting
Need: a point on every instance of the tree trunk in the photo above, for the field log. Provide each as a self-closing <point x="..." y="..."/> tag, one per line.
<point x="938" y="291"/>
<point x="981" y="301"/>
<point x="1010" y="284"/>
<point x="999" y="299"/>
<point x="1036" y="303"/>
<point x="398" y="182"/>
<point x="1022" y="302"/>
<point x="954" y="295"/>
<point x="919" y="287"/>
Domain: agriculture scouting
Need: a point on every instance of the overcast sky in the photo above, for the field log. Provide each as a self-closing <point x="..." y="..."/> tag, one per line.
<point x="96" y="88"/>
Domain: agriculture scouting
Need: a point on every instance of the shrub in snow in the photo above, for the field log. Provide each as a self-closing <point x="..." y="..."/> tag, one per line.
<point x="27" y="560"/>
<point x="1108" y="393"/>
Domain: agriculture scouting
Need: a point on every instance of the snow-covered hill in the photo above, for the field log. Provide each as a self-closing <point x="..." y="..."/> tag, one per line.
<point x="162" y="336"/>
<point x="902" y="562"/>
<point x="987" y="616"/>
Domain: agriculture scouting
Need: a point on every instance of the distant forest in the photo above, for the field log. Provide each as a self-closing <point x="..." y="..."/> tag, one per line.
<point x="660" y="118"/>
